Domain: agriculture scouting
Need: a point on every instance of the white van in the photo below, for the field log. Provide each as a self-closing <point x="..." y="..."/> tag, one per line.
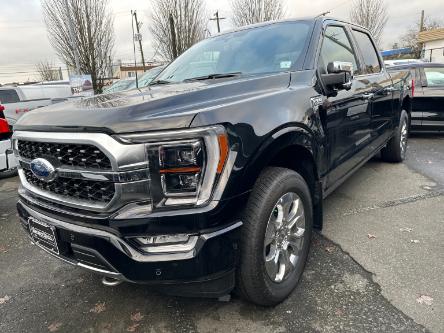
<point x="18" y="100"/>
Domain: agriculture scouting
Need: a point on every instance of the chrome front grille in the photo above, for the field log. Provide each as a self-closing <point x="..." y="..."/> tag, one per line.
<point x="74" y="155"/>
<point x="91" y="171"/>
<point x="88" y="190"/>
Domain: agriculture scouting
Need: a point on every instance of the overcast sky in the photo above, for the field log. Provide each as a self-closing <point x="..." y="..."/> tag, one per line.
<point x="24" y="42"/>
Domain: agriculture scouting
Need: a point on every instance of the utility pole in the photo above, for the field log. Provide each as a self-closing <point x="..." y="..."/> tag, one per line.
<point x="217" y="19"/>
<point x="139" y="37"/>
<point x="73" y="41"/>
<point x="134" y="50"/>
<point x="421" y="28"/>
<point x="421" y="24"/>
<point x="173" y="36"/>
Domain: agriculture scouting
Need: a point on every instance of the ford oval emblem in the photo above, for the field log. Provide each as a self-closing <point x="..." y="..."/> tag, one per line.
<point x="43" y="169"/>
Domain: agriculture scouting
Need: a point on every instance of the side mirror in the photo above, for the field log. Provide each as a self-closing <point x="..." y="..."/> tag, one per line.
<point x="339" y="67"/>
<point x="339" y="75"/>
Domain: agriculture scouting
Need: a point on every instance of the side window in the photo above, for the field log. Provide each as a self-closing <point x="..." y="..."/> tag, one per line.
<point x="434" y="76"/>
<point x="9" y="96"/>
<point x="336" y="47"/>
<point x="369" y="53"/>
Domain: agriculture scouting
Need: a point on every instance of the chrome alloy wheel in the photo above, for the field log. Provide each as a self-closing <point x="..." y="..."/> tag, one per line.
<point x="403" y="139"/>
<point x="284" y="237"/>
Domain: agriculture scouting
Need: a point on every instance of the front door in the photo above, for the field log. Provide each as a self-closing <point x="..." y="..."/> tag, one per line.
<point x="347" y="115"/>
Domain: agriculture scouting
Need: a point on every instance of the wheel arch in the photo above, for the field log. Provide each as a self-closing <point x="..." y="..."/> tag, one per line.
<point x="294" y="148"/>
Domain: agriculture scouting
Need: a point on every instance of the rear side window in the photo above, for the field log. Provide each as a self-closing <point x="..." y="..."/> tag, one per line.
<point x="369" y="53"/>
<point x="434" y="76"/>
<point x="8" y="96"/>
<point x="336" y="47"/>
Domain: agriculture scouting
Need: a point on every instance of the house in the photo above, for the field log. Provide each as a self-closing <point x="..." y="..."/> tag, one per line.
<point x="127" y="70"/>
<point x="433" y="44"/>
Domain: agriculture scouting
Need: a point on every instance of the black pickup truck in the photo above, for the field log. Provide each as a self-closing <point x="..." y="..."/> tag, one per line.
<point x="427" y="82"/>
<point x="212" y="178"/>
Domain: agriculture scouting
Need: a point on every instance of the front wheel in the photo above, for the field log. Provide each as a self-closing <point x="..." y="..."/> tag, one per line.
<point x="396" y="148"/>
<point x="275" y="237"/>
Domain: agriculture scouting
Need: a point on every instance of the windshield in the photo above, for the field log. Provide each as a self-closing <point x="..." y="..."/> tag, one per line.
<point x="266" y="49"/>
<point x="146" y="78"/>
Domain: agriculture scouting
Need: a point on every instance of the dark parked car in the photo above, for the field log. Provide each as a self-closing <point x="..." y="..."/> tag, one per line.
<point x="428" y="91"/>
<point x="213" y="176"/>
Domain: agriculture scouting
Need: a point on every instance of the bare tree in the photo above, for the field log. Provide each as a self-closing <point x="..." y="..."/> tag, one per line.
<point x="93" y="34"/>
<point x="176" y="25"/>
<point x="255" y="11"/>
<point x="410" y="38"/>
<point x="371" y="14"/>
<point x="47" y="71"/>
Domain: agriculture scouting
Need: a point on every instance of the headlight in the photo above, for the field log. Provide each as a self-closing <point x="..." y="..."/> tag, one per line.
<point x="185" y="166"/>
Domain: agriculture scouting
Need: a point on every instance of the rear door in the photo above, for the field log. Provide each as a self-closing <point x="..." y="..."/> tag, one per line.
<point x="347" y="113"/>
<point x="380" y="94"/>
<point x="431" y="101"/>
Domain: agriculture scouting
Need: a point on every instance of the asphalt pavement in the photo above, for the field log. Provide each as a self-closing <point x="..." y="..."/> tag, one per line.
<point x="377" y="266"/>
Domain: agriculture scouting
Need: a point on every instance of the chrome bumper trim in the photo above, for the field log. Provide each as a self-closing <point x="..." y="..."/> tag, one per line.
<point x="126" y="248"/>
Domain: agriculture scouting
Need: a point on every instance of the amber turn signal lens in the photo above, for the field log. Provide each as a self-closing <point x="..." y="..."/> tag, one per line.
<point x="223" y="148"/>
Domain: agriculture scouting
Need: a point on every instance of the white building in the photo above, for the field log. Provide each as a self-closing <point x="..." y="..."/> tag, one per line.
<point x="433" y="44"/>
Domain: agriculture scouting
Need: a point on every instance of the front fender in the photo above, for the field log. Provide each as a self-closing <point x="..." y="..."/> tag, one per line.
<point x="246" y="174"/>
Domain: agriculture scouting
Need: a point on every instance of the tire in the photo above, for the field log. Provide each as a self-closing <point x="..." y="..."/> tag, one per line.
<point x="9" y="173"/>
<point x="277" y="191"/>
<point x="396" y="148"/>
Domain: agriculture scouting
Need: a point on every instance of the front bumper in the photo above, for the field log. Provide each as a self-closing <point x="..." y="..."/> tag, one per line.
<point x="204" y="267"/>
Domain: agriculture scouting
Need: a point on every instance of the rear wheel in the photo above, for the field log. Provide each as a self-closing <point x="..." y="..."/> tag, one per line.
<point x="275" y="237"/>
<point x="396" y="148"/>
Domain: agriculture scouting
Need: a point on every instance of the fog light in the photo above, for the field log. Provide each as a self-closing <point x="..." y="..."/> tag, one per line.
<point x="178" y="243"/>
<point x="163" y="239"/>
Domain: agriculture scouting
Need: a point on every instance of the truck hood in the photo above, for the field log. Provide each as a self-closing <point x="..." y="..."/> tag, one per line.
<point x="157" y="107"/>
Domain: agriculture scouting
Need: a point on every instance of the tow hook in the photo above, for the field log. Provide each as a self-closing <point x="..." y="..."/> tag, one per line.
<point x="110" y="282"/>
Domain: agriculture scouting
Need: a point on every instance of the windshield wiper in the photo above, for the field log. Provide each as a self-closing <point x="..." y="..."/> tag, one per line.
<point x="213" y="76"/>
<point x="155" y="82"/>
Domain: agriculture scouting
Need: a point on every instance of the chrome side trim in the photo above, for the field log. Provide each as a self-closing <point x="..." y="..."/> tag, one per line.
<point x="126" y="248"/>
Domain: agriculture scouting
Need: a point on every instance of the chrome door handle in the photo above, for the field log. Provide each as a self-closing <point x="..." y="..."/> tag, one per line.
<point x="367" y="96"/>
<point x="389" y="90"/>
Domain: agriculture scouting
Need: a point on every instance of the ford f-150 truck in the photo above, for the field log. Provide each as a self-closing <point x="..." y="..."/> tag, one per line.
<point x="212" y="178"/>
